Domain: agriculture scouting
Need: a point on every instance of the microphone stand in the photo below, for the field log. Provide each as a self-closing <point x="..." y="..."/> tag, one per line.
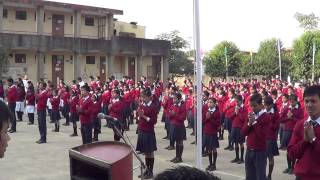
<point x="142" y="165"/>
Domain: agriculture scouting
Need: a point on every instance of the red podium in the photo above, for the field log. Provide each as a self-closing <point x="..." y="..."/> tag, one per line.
<point x="101" y="161"/>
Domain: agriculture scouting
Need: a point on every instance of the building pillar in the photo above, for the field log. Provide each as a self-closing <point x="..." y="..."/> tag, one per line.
<point x="1" y="15"/>
<point x="109" y="65"/>
<point x="77" y="24"/>
<point x="138" y="71"/>
<point x="76" y="65"/>
<point x="109" y="27"/>
<point x="40" y="16"/>
<point x="40" y="65"/>
<point x="164" y="70"/>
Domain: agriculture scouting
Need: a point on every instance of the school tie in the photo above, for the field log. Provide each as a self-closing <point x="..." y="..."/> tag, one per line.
<point x="314" y="123"/>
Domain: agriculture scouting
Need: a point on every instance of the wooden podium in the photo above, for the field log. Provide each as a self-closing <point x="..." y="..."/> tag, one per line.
<point x="101" y="161"/>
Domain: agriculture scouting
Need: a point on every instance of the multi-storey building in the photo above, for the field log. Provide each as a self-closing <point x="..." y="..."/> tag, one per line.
<point x="55" y="41"/>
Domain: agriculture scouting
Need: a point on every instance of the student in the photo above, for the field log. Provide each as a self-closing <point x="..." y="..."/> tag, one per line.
<point x="21" y="96"/>
<point x="65" y="96"/>
<point x="115" y="110"/>
<point x="5" y="117"/>
<point x="146" y="143"/>
<point x="272" y="132"/>
<point x="85" y="114"/>
<point x="11" y="99"/>
<point x="178" y="115"/>
<point x="95" y="109"/>
<point x="294" y="114"/>
<point x="283" y="115"/>
<point x="305" y="142"/>
<point x="255" y="130"/>
<point x="228" y="112"/>
<point x="211" y="123"/>
<point x="30" y="101"/>
<point x="238" y="119"/>
<point x="74" y="116"/>
<point x="55" y="101"/>
<point x="42" y="98"/>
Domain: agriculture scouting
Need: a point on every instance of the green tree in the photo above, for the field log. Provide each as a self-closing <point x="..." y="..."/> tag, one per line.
<point x="267" y="62"/>
<point x="307" y="21"/>
<point x="215" y="60"/>
<point x="179" y="62"/>
<point x="3" y="61"/>
<point x="247" y="66"/>
<point x="302" y="55"/>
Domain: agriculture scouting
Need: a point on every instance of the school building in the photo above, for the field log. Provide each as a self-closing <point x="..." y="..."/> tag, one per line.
<point x="55" y="41"/>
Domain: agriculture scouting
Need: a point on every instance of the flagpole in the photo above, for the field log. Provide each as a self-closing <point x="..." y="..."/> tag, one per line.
<point x="225" y="54"/>
<point x="279" y="51"/>
<point x="199" y="86"/>
<point x="313" y="57"/>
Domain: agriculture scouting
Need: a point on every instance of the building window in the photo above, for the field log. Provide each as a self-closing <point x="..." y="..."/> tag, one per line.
<point x="90" y="59"/>
<point x="89" y="21"/>
<point x="5" y="13"/>
<point x="20" y="58"/>
<point x="21" y="15"/>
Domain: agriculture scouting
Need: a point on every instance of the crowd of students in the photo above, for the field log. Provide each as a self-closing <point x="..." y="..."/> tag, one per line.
<point x="260" y="113"/>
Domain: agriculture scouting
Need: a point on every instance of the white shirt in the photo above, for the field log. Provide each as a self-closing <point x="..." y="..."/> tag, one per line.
<point x="317" y="120"/>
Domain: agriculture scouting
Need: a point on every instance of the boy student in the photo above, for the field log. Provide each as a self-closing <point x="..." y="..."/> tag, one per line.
<point x="255" y="129"/>
<point x="305" y="142"/>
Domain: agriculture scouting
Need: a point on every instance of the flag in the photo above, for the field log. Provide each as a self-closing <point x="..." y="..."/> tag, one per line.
<point x="251" y="56"/>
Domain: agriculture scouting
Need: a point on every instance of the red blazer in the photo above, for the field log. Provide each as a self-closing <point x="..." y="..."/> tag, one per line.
<point x="65" y="96"/>
<point x="211" y="124"/>
<point x="180" y="114"/>
<point x="229" y="108"/>
<point x="274" y="124"/>
<point x="42" y="98"/>
<point x="21" y="95"/>
<point x="106" y="96"/>
<point x="167" y="102"/>
<point x="12" y="94"/>
<point x="151" y="112"/>
<point x="307" y="167"/>
<point x="85" y="115"/>
<point x="74" y="101"/>
<point x="239" y="119"/>
<point x="116" y="109"/>
<point x="257" y="133"/>
<point x="31" y="98"/>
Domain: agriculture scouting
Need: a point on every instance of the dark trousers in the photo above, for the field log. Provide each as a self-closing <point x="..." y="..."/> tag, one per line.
<point x="31" y="117"/>
<point x="255" y="165"/>
<point x="42" y="124"/>
<point x="12" y="108"/>
<point x="86" y="133"/>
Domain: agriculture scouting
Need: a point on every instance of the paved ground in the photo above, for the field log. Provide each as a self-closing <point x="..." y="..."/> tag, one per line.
<point x="26" y="160"/>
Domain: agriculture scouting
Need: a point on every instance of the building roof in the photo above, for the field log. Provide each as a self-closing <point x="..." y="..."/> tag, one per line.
<point x="64" y="5"/>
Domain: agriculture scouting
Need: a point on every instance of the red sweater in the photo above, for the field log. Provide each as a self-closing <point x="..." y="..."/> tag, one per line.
<point x="85" y="115"/>
<point x="42" y="98"/>
<point x="180" y="114"/>
<point x="290" y="123"/>
<point x="65" y="96"/>
<point x="74" y="101"/>
<point x="307" y="167"/>
<point x="166" y="104"/>
<point x="95" y="109"/>
<point x="152" y="113"/>
<point x="239" y="119"/>
<point x="12" y="94"/>
<point x="274" y="124"/>
<point x="256" y="134"/>
<point x="31" y="98"/>
<point x="211" y="124"/>
<point x="55" y="101"/>
<point x="106" y="96"/>
<point x="229" y="108"/>
<point x="116" y="109"/>
<point x="21" y="95"/>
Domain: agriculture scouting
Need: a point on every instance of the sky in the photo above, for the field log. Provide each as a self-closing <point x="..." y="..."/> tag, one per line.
<point x="244" y="22"/>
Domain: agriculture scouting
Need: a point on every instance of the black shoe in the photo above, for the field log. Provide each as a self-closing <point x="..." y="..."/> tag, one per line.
<point x="192" y="134"/>
<point x="177" y="160"/>
<point x="30" y="123"/>
<point x="221" y="138"/>
<point x="204" y="154"/>
<point x="171" y="148"/>
<point x="41" y="141"/>
<point x="74" y="134"/>
<point x="174" y="159"/>
<point x="66" y="124"/>
<point x="231" y="148"/>
<point x="212" y="168"/>
<point x="52" y="122"/>
<point x="286" y="171"/>
<point x="144" y="173"/>
<point x="268" y="177"/>
<point x="227" y="148"/>
<point x="148" y="175"/>
<point x="207" y="168"/>
<point x="193" y="142"/>
<point x="240" y="161"/>
<point x="236" y="160"/>
<point x="290" y="171"/>
<point x="12" y="131"/>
